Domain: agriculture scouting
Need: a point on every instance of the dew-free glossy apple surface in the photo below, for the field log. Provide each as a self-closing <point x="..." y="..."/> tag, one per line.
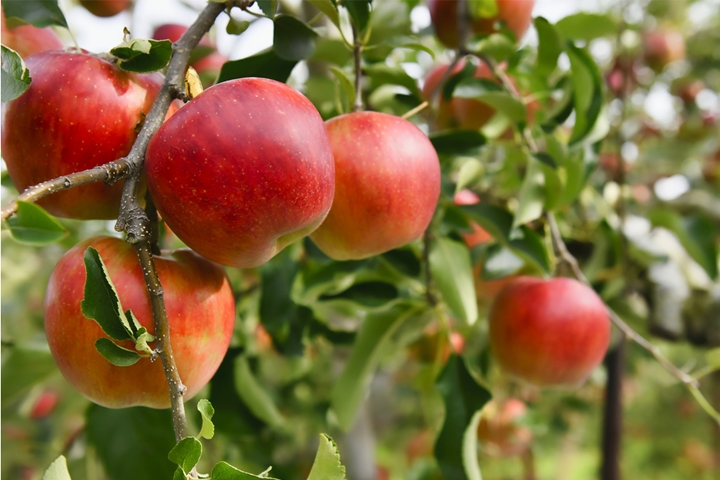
<point x="26" y="39"/>
<point x="549" y="332"/>
<point x="517" y="14"/>
<point x="242" y="170"/>
<point x="387" y="184"/>
<point x="200" y="309"/>
<point x="79" y="112"/>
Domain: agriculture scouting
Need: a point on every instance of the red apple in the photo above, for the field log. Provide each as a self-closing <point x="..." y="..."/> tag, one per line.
<point x="79" y="112"/>
<point x="517" y="15"/>
<point x="106" y="8"/>
<point x="387" y="184"/>
<point x="479" y="235"/>
<point x="242" y="170"/>
<point x="549" y="332"/>
<point x="200" y="309"/>
<point x="499" y="430"/>
<point x="662" y="47"/>
<point x="26" y="39"/>
<point x="173" y="32"/>
<point x="44" y="404"/>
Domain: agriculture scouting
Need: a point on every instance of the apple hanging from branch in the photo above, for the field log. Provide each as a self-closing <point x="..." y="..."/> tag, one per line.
<point x="79" y="112"/>
<point x="387" y="184"/>
<point x="242" y="170"/>
<point x="548" y="332"/>
<point x="200" y="310"/>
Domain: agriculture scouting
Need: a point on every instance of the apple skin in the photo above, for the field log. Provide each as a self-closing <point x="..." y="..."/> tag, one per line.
<point x="106" y="8"/>
<point x="79" y="112"/>
<point x="499" y="432"/>
<point x="200" y="309"/>
<point x="517" y="14"/>
<point x="662" y="47"/>
<point x="26" y="39"/>
<point x="387" y="185"/>
<point x="549" y="332"/>
<point x="242" y="170"/>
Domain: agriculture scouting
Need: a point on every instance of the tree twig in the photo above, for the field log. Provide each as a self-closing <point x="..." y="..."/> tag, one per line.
<point x="357" y="54"/>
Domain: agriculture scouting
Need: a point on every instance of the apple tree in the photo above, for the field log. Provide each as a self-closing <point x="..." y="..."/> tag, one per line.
<point x="399" y="242"/>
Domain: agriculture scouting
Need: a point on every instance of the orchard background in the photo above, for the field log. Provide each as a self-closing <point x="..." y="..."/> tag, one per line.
<point x="359" y="350"/>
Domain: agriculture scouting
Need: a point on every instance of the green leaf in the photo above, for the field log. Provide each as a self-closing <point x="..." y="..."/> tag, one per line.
<point x="372" y="342"/>
<point x="254" y="395"/>
<point x="499" y="262"/>
<point x="293" y="39"/>
<point x="523" y="241"/>
<point x="236" y="27"/>
<point x="32" y="225"/>
<point x="101" y="302"/>
<point x="115" y="354"/>
<point x="488" y="92"/>
<point x="142" y="337"/>
<point x="123" y="436"/>
<point x="588" y="94"/>
<point x="404" y="261"/>
<point x="143" y="56"/>
<point x="346" y="85"/>
<point x="186" y="453"/>
<point x="329" y="8"/>
<point x="712" y="357"/>
<point x="39" y="13"/>
<point x="327" y="464"/>
<point x="463" y="396"/>
<point x="697" y="233"/>
<point x="457" y="141"/>
<point x="587" y="26"/>
<point x="383" y="74"/>
<point x="483" y="8"/>
<point x="550" y="47"/>
<point x="470" y="448"/>
<point x="497" y="46"/>
<point x="22" y="368"/>
<point x="225" y="471"/>
<point x="268" y="7"/>
<point x="359" y="11"/>
<point x="206" y="411"/>
<point x="470" y="173"/>
<point x="15" y="77"/>
<point x="367" y="294"/>
<point x="57" y="470"/>
<point x="266" y="64"/>
<point x="451" y="270"/>
<point x="532" y="195"/>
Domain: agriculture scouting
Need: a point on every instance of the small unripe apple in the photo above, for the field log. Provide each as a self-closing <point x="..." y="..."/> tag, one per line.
<point x="26" y="39"/>
<point x="79" y="112"/>
<point x="106" y="8"/>
<point x="662" y="47"/>
<point x="200" y="310"/>
<point x="517" y="15"/>
<point x="387" y="184"/>
<point x="499" y="430"/>
<point x="549" y="332"/>
<point x="242" y="170"/>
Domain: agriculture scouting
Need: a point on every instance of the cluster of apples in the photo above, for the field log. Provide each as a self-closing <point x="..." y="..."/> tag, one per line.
<point x="241" y="171"/>
<point x="244" y="169"/>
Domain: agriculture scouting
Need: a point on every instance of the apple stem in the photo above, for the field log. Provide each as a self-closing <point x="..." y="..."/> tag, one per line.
<point x="357" y="53"/>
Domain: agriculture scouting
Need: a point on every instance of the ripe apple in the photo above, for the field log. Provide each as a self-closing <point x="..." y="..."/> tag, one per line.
<point x="106" y="8"/>
<point x="26" y="39"/>
<point x="242" y="170"/>
<point x="200" y="309"/>
<point x="499" y="431"/>
<point x="79" y="112"/>
<point x="662" y="47"/>
<point x="517" y="15"/>
<point x="387" y="184"/>
<point x="44" y="404"/>
<point x="548" y="332"/>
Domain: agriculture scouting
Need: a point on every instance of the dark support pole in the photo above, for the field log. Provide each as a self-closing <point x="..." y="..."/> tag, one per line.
<point x="612" y="418"/>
